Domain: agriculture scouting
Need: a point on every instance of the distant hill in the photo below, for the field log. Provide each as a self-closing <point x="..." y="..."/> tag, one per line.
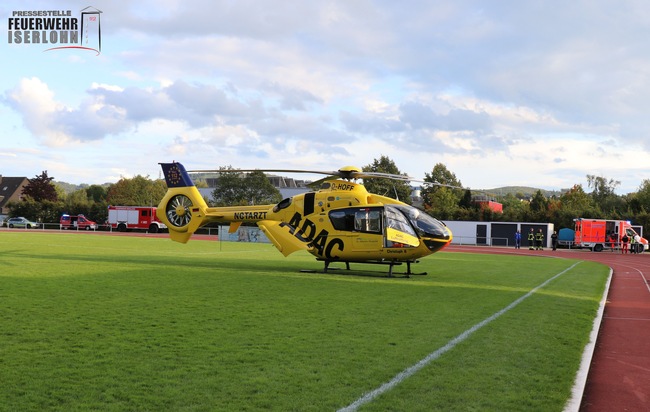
<point x="70" y="187"/>
<point x="524" y="190"/>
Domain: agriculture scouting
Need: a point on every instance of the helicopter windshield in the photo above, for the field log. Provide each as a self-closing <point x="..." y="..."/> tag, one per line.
<point x="426" y="226"/>
<point x="398" y="221"/>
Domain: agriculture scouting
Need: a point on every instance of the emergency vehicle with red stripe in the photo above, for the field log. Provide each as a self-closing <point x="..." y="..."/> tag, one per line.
<point x="123" y="218"/>
<point x="599" y="234"/>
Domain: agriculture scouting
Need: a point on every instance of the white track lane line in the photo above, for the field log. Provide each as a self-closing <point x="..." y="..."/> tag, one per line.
<point x="410" y="371"/>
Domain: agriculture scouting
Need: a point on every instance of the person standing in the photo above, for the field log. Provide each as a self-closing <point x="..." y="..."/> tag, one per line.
<point x="518" y="240"/>
<point x="539" y="239"/>
<point x="632" y="245"/>
<point x="624" y="241"/>
<point x="531" y="239"/>
<point x="554" y="240"/>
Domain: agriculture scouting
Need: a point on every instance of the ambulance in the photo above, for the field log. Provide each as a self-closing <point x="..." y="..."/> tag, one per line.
<point x="599" y="234"/>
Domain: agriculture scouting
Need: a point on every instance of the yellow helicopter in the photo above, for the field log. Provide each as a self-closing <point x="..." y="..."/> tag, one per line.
<point x="340" y="222"/>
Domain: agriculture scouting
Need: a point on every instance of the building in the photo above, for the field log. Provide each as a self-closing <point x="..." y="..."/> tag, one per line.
<point x="487" y="202"/>
<point x="496" y="233"/>
<point x="11" y="190"/>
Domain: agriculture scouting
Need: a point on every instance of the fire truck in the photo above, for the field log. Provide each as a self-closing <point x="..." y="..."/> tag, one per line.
<point x="123" y="218"/>
<point x="598" y="234"/>
<point x="79" y="222"/>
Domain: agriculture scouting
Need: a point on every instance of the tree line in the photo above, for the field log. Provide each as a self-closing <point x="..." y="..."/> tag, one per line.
<point x="45" y="201"/>
<point x="442" y="195"/>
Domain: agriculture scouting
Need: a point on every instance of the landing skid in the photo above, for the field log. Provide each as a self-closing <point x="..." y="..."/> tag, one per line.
<point x="390" y="264"/>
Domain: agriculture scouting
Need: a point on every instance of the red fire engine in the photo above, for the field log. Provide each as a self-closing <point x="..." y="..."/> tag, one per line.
<point x="79" y="222"/>
<point x="123" y="218"/>
<point x="598" y="234"/>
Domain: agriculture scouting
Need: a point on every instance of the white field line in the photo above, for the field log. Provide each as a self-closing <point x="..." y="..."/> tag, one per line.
<point x="644" y="280"/>
<point x="580" y="382"/>
<point x="410" y="371"/>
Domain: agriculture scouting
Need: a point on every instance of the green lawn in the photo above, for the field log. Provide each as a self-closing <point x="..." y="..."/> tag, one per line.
<point x="97" y="322"/>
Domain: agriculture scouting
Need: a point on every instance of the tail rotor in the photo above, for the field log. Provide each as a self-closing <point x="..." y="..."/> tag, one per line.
<point x="182" y="209"/>
<point x="179" y="210"/>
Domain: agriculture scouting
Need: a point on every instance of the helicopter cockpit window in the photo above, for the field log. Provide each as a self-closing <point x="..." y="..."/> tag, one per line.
<point x="282" y="205"/>
<point x="360" y="220"/>
<point x="396" y="220"/>
<point x="342" y="219"/>
<point x="367" y="220"/>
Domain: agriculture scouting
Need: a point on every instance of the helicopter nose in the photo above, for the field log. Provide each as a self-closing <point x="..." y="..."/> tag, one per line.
<point x="435" y="245"/>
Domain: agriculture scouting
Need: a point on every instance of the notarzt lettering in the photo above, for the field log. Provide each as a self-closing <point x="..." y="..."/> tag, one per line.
<point x="250" y="215"/>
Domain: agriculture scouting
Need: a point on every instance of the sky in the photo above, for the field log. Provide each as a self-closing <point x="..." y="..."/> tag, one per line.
<point x="503" y="93"/>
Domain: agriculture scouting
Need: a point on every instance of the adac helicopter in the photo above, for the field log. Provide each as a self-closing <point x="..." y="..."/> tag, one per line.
<point x="340" y="222"/>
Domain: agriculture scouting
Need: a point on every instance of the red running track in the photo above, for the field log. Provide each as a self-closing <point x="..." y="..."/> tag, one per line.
<point x="619" y="375"/>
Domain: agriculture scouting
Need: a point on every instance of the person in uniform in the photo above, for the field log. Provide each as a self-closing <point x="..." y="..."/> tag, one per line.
<point x="554" y="240"/>
<point x="531" y="239"/>
<point x="539" y="239"/>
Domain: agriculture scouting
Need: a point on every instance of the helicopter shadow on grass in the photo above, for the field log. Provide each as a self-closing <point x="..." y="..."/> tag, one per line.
<point x="157" y="261"/>
<point x="368" y="273"/>
<point x="248" y="265"/>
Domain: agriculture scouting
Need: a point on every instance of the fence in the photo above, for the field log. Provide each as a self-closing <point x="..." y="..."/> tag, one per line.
<point x="243" y="234"/>
<point x="254" y="234"/>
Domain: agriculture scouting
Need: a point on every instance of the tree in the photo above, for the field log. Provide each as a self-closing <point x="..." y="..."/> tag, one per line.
<point x="578" y="203"/>
<point x="258" y="190"/>
<point x="229" y="189"/>
<point x="440" y="175"/>
<point x="538" y="207"/>
<point x="96" y="193"/>
<point x="395" y="189"/>
<point x="43" y="211"/>
<point x="138" y="191"/>
<point x="466" y="200"/>
<point x="233" y="188"/>
<point x="78" y="202"/>
<point x="513" y="208"/>
<point x="41" y="188"/>
<point x="604" y="195"/>
<point x="443" y="204"/>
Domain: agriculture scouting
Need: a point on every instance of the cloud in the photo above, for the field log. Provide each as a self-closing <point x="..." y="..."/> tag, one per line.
<point x="461" y="82"/>
<point x="57" y="124"/>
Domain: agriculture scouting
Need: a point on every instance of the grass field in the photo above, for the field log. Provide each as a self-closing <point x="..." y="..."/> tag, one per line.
<point x="114" y="323"/>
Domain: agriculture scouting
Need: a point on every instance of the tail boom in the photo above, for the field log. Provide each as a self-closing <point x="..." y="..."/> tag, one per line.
<point x="184" y="211"/>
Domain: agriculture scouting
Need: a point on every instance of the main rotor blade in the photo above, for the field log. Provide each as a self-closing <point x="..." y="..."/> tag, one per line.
<point x="348" y="172"/>
<point x="424" y="183"/>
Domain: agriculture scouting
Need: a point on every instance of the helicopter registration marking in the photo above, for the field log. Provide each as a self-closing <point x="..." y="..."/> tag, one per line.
<point x="250" y="215"/>
<point x="307" y="234"/>
<point x="342" y="186"/>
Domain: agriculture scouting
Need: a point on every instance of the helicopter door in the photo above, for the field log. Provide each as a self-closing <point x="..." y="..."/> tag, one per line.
<point x="368" y="226"/>
<point x="362" y="228"/>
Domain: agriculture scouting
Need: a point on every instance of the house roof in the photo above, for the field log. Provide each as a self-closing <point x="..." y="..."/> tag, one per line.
<point x="9" y="186"/>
